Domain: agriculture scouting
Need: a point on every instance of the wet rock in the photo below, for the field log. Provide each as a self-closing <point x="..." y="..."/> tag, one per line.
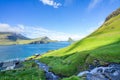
<point x="9" y="65"/>
<point x="49" y="75"/>
<point x="96" y="76"/>
<point x="114" y="65"/>
<point x="1" y="64"/>
<point x="110" y="72"/>
<point x="91" y="67"/>
<point x="113" y="73"/>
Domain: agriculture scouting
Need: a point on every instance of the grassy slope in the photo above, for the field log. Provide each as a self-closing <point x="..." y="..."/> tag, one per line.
<point x="103" y="45"/>
<point x="30" y="71"/>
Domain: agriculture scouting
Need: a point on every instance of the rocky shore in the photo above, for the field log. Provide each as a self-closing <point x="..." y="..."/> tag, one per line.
<point x="10" y="65"/>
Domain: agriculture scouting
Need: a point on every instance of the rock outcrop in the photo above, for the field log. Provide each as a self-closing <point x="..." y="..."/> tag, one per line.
<point x="115" y="13"/>
<point x="9" y="65"/>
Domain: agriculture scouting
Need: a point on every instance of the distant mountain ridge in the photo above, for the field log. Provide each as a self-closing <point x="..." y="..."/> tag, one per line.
<point x="10" y="38"/>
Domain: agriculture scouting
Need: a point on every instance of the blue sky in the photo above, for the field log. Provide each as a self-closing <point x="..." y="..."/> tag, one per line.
<point x="57" y="19"/>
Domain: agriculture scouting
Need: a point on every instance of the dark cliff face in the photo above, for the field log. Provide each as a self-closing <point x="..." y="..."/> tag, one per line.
<point x="18" y="36"/>
<point x="42" y="40"/>
<point x="115" y="13"/>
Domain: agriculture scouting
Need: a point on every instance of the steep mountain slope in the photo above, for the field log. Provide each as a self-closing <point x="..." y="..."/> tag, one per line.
<point x="102" y="45"/>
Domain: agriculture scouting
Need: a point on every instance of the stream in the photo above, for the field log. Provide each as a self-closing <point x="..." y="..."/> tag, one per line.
<point x="110" y="72"/>
<point x="49" y="75"/>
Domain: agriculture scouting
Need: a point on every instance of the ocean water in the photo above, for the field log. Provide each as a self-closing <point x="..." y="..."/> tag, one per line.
<point x="22" y="51"/>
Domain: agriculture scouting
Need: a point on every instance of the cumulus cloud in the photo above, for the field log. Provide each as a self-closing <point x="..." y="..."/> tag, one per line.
<point x="93" y="4"/>
<point x="51" y="3"/>
<point x="37" y="31"/>
<point x="7" y="28"/>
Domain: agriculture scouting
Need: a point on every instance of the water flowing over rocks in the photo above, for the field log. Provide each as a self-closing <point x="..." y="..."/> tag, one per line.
<point x="111" y="72"/>
<point x="49" y="75"/>
<point x="10" y="65"/>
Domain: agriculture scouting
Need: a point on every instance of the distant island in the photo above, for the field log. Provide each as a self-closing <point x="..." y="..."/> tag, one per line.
<point x="70" y="39"/>
<point x="11" y="38"/>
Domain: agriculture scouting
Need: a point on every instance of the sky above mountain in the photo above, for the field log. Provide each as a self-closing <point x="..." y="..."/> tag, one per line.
<point x="57" y="19"/>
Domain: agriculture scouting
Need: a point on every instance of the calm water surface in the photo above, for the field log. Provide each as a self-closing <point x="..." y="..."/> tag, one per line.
<point x="23" y="51"/>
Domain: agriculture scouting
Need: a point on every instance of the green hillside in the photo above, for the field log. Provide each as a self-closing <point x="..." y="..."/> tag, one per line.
<point x="102" y="45"/>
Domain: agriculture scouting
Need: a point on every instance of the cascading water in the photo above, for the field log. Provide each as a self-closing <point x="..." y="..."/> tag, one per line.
<point x="111" y="72"/>
<point x="49" y="75"/>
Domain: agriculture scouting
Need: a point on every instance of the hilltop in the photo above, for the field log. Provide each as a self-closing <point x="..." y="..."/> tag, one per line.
<point x="113" y="14"/>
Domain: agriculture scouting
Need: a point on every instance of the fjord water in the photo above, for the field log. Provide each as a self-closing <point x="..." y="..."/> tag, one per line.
<point x="22" y="51"/>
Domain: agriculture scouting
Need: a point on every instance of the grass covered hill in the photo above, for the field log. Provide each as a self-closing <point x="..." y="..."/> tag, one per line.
<point x="11" y="38"/>
<point x="102" y="45"/>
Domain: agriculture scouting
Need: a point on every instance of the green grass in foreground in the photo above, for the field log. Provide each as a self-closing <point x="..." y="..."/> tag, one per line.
<point x="103" y="45"/>
<point x="30" y="71"/>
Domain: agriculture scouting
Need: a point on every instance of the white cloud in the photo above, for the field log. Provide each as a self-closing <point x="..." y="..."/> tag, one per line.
<point x="37" y="31"/>
<point x="93" y="4"/>
<point x="51" y="3"/>
<point x="7" y="28"/>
